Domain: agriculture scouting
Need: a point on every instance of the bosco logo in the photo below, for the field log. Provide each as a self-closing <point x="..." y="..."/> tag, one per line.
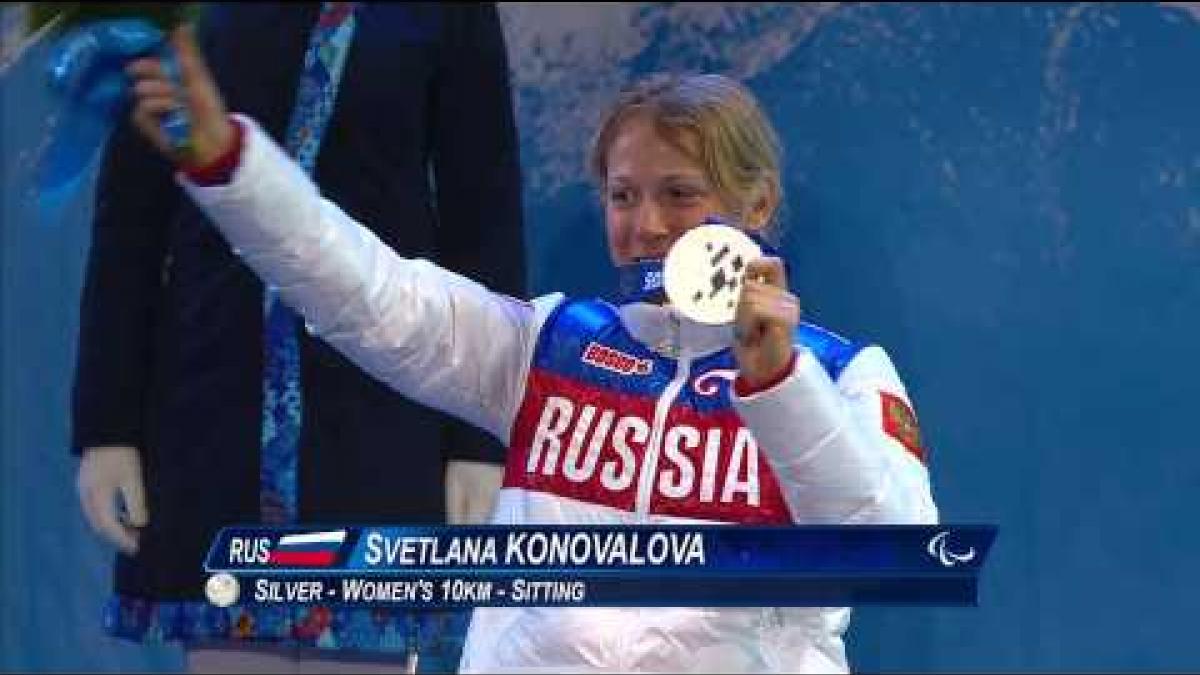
<point x="615" y="360"/>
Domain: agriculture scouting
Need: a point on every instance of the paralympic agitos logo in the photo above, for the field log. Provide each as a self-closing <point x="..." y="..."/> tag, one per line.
<point x="937" y="549"/>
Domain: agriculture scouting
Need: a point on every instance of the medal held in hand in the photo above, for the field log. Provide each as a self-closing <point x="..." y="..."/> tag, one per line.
<point x="704" y="270"/>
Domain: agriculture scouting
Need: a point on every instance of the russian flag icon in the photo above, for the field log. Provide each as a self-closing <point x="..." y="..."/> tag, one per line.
<point x="315" y="549"/>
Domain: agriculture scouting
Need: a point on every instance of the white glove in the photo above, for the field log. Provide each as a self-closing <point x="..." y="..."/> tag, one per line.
<point x="106" y="472"/>
<point x="471" y="490"/>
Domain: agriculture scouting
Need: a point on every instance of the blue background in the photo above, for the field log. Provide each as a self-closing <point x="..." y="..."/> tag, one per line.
<point x="1003" y="196"/>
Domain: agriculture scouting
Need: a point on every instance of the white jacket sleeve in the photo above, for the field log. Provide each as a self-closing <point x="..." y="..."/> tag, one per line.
<point x="829" y="446"/>
<point x="437" y="337"/>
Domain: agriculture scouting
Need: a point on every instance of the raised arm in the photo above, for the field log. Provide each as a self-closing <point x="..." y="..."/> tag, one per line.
<point x="437" y="337"/>
<point x="843" y="452"/>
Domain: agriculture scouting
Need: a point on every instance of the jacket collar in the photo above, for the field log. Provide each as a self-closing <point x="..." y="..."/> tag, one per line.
<point x="663" y="329"/>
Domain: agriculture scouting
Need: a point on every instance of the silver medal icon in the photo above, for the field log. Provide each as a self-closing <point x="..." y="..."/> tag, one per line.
<point x="222" y="589"/>
<point x="703" y="272"/>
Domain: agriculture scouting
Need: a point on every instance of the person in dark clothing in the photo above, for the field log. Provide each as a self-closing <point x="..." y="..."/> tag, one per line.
<point x="169" y="388"/>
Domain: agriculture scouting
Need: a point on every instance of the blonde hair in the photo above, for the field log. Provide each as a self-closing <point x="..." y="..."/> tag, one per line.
<point x="738" y="148"/>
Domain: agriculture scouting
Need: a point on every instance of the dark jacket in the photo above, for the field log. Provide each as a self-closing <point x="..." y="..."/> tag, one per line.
<point x="422" y="148"/>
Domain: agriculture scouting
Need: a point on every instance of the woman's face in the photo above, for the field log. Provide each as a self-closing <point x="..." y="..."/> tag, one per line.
<point x="653" y="193"/>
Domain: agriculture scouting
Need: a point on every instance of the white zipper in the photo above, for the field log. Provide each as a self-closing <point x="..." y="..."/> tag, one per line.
<point x="683" y="365"/>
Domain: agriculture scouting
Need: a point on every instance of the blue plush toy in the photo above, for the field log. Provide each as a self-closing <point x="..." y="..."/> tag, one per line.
<point x="87" y="68"/>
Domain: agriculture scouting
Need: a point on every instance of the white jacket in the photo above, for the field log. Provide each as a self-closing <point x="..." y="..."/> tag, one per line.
<point x="443" y="340"/>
